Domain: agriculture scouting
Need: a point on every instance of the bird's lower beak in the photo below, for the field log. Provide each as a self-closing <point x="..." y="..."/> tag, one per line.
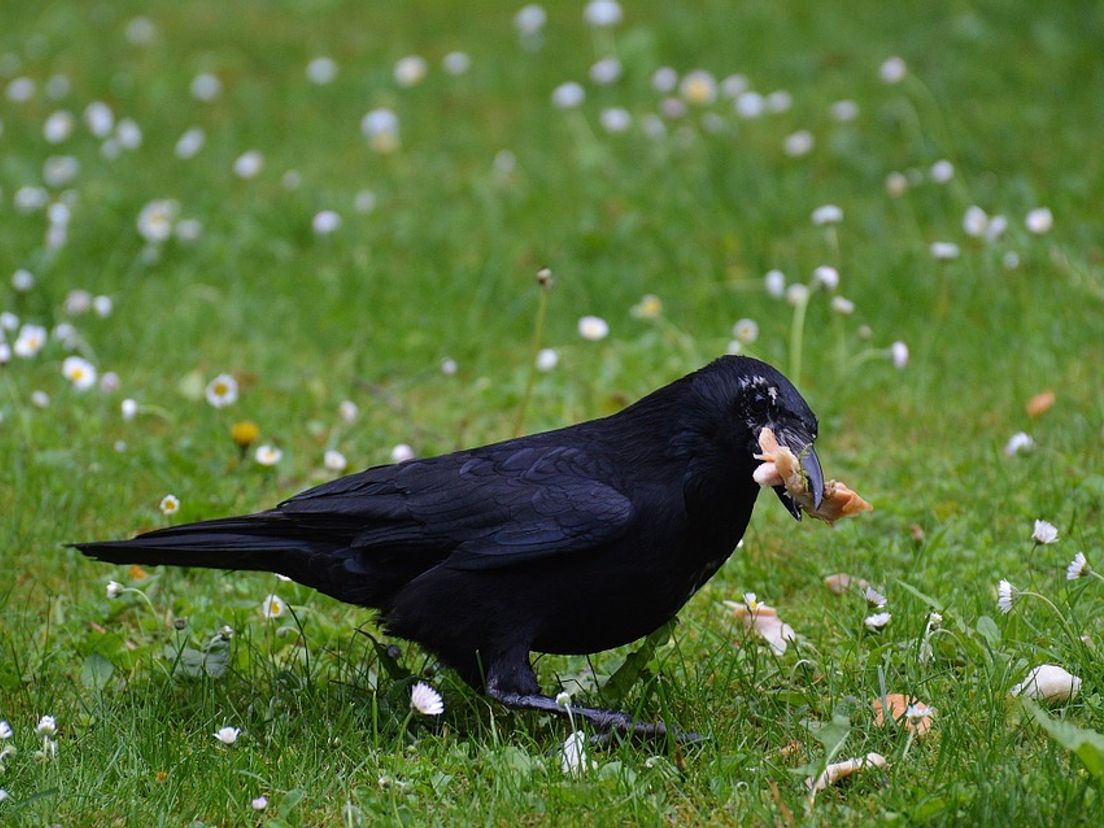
<point x="810" y="464"/>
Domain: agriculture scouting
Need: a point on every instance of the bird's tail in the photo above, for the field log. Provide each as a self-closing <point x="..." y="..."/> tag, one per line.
<point x="250" y="542"/>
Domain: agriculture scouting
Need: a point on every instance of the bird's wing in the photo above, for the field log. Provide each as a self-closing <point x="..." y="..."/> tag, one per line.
<point x="488" y="508"/>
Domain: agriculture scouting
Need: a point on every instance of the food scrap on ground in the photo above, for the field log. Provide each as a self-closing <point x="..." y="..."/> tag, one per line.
<point x="764" y="622"/>
<point x="1048" y="682"/>
<point x="841" y="770"/>
<point x="912" y="714"/>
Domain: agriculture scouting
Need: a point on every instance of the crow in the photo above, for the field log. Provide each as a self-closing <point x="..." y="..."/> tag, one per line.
<point x="569" y="541"/>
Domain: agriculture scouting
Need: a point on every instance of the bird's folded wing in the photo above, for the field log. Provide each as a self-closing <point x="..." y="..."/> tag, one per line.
<point x="489" y="508"/>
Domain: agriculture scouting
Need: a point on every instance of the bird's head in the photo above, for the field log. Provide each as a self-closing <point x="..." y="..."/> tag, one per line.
<point x="745" y="396"/>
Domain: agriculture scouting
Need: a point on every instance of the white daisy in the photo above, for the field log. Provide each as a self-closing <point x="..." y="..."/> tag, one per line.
<point x="877" y="621"/>
<point x="530" y="20"/>
<point x="322" y="70"/>
<point x="190" y="143"/>
<point x="21" y="90"/>
<point x="410" y="70"/>
<point x="128" y="134"/>
<point x="664" y="80"/>
<point x="103" y="306"/>
<point x="249" y="164"/>
<point x="129" y="409"/>
<point x="114" y="589"/>
<point x="272" y="606"/>
<point x="222" y="391"/>
<point x="606" y="71"/>
<point x="593" y="328"/>
<point x="23" y="280"/>
<point x="844" y="111"/>
<point x="942" y="171"/>
<point x="58" y="127"/>
<point x="5" y="730"/>
<point x="896" y="183"/>
<point x="826" y="277"/>
<point x="205" y="87"/>
<point x="779" y="101"/>
<point x="1045" y="532"/>
<point x="348" y="411"/>
<point x="899" y="354"/>
<point x="975" y="222"/>
<point x="873" y="597"/>
<point x="547" y="358"/>
<point x="381" y="128"/>
<point x="155" y="221"/>
<point x="775" y="283"/>
<point x="79" y="371"/>
<point x="1039" y="220"/>
<point x="699" y="87"/>
<point x="426" y="700"/>
<point x="1078" y="567"/>
<point x="268" y="455"/>
<point x="893" y="70"/>
<point x="402" y="453"/>
<point x="1019" y="442"/>
<point x="797" y="294"/>
<point x="827" y="214"/>
<point x="843" y="306"/>
<point x="334" y="460"/>
<point x="746" y="331"/>
<point x="602" y="14"/>
<point x="569" y="95"/>
<point x="615" y="120"/>
<point x="326" y="222"/>
<point x="31" y="340"/>
<point x="456" y="63"/>
<point x="47" y="726"/>
<point x="944" y="251"/>
<point x="227" y="735"/>
<point x="799" y="143"/>
<point x="169" y="505"/>
<point x="99" y="118"/>
<point x="1006" y="595"/>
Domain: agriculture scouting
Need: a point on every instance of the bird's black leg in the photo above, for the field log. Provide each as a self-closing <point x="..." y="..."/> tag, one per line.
<point x="511" y="682"/>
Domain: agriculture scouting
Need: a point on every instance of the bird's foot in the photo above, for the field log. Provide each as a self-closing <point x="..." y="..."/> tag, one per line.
<point x="606" y="721"/>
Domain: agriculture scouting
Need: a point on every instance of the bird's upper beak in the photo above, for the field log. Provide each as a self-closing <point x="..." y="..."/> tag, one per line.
<point x="801" y="445"/>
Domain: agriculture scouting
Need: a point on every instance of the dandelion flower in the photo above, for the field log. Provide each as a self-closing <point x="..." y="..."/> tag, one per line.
<point x="827" y="214"/>
<point x="1044" y="533"/>
<point x="244" y="433"/>
<point x="1048" y="682"/>
<point x="268" y="455"/>
<point x="573" y="757"/>
<point x="272" y="606"/>
<point x="410" y="70"/>
<point x="593" y="328"/>
<point x="321" y="71"/>
<point x="47" y="726"/>
<point x="222" y="391"/>
<point x="547" y="358"/>
<point x="1019" y="442"/>
<point x="1039" y="220"/>
<point x="334" y="460"/>
<point x="1006" y="596"/>
<point x="1078" y="567"/>
<point x="602" y="14"/>
<point x="899" y="354"/>
<point x="169" y="505"/>
<point x="402" y="453"/>
<point x="227" y="735"/>
<point x="80" y="372"/>
<point x="699" y="87"/>
<point x="426" y="700"/>
<point x="569" y="95"/>
<point x="877" y="621"/>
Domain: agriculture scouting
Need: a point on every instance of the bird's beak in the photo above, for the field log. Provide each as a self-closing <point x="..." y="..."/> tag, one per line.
<point x="802" y="446"/>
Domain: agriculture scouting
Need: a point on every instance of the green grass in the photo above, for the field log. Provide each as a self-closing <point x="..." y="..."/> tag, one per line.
<point x="1011" y="93"/>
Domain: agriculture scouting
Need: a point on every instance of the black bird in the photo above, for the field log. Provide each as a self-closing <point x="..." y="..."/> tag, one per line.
<point x="570" y="541"/>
